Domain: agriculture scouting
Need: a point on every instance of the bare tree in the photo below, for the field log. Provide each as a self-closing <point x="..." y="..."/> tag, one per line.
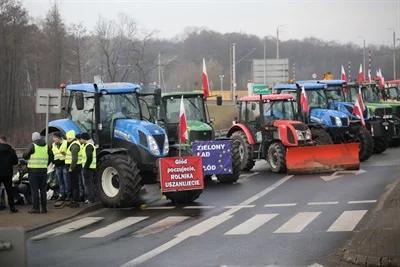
<point x="78" y="33"/>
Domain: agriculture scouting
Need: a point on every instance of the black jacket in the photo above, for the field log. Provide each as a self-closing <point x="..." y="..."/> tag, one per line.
<point x="89" y="156"/>
<point x="8" y="159"/>
<point x="31" y="149"/>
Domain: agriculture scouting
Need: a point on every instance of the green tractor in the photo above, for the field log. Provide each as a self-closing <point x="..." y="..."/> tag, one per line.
<point x="200" y="128"/>
<point x="387" y="111"/>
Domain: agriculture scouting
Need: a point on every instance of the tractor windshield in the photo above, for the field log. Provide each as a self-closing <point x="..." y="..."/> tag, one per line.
<point x="335" y="94"/>
<point x="194" y="109"/>
<point x="118" y="106"/>
<point x="281" y="110"/>
<point x="392" y="93"/>
<point x="369" y="94"/>
<point x="317" y="99"/>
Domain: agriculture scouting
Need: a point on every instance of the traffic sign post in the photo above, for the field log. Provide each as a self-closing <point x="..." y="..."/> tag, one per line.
<point x="48" y="101"/>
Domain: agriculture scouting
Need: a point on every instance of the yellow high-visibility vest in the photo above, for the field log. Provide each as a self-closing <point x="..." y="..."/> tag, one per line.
<point x="94" y="158"/>
<point x="40" y="158"/>
<point x="60" y="152"/>
<point x="68" y="156"/>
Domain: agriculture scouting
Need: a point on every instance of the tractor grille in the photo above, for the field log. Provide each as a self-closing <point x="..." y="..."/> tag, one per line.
<point x="345" y="121"/>
<point x="380" y="112"/>
<point x="200" y="136"/>
<point x="160" y="141"/>
<point x="397" y="111"/>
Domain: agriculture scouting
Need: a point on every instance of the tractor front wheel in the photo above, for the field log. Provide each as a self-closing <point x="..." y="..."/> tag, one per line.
<point x="118" y="180"/>
<point x="380" y="144"/>
<point x="366" y="144"/>
<point x="245" y="151"/>
<point x="183" y="197"/>
<point x="321" y="137"/>
<point x="236" y="165"/>
<point x="276" y="157"/>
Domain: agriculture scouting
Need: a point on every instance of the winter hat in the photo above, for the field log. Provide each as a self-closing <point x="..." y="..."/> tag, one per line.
<point x="36" y="136"/>
<point x="84" y="136"/>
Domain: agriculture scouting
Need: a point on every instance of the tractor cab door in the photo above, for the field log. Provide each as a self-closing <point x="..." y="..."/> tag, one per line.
<point x="84" y="118"/>
<point x="251" y="112"/>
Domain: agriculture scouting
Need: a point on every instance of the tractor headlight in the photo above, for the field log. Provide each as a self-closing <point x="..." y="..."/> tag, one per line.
<point x="166" y="145"/>
<point x="388" y="116"/>
<point x="153" y="145"/>
<point x="300" y="135"/>
<point x="338" y="122"/>
<point x="308" y="134"/>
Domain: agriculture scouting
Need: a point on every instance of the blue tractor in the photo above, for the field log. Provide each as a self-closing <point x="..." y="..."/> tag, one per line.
<point x="119" y="120"/>
<point x="337" y="94"/>
<point x="337" y="123"/>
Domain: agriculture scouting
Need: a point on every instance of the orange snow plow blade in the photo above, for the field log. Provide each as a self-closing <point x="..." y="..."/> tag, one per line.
<point x="322" y="158"/>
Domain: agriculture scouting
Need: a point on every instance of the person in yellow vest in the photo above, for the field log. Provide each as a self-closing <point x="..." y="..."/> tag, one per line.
<point x="59" y="149"/>
<point x="38" y="156"/>
<point x="73" y="161"/>
<point x="89" y="161"/>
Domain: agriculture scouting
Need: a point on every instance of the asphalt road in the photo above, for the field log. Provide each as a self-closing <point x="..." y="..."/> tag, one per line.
<point x="264" y="219"/>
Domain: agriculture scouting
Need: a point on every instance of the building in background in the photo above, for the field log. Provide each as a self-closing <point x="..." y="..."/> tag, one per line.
<point x="271" y="71"/>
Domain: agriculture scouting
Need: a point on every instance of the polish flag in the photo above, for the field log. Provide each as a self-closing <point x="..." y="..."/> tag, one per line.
<point x="369" y="76"/>
<point x="204" y="81"/>
<point x="360" y="78"/>
<point x="343" y="74"/>
<point x="360" y="99"/>
<point x="183" y="132"/>
<point x="380" y="78"/>
<point x="304" y="100"/>
<point x="357" y="111"/>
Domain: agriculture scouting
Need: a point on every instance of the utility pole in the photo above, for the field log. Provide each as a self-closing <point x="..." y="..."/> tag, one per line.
<point x="364" y="69"/>
<point x="233" y="72"/>
<point x="265" y="55"/>
<point x="221" y="78"/>
<point x="277" y="42"/>
<point x="294" y="72"/>
<point x="349" y="71"/>
<point x="394" y="55"/>
<point x="159" y="70"/>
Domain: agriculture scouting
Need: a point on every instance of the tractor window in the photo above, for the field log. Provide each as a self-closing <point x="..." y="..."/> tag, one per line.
<point x="253" y="111"/>
<point x="392" y="93"/>
<point x="113" y="106"/>
<point x="317" y="99"/>
<point x="194" y="109"/>
<point x="335" y="93"/>
<point x="83" y="118"/>
<point x="279" y="110"/>
<point x="370" y="95"/>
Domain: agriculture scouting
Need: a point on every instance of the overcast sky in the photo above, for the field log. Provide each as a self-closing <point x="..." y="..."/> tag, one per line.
<point x="340" y="20"/>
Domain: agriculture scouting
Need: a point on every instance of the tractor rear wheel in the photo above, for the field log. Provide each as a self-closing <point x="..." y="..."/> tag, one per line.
<point x="245" y="151"/>
<point x="380" y="144"/>
<point x="366" y="144"/>
<point x="276" y="157"/>
<point x="236" y="165"/>
<point x="183" y="197"/>
<point x="118" y="180"/>
<point x="321" y="137"/>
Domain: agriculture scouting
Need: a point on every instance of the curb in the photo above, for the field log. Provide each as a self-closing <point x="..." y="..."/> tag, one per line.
<point x="85" y="210"/>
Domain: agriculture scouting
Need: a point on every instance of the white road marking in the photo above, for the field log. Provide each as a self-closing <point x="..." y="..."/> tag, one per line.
<point x="198" y="207"/>
<point x="160" y="208"/>
<point x="114" y="227"/>
<point x="240" y="206"/>
<point x="251" y="224"/>
<point x="162" y="225"/>
<point x="69" y="227"/>
<point x="203" y="226"/>
<point x="280" y="205"/>
<point x="298" y="222"/>
<point x="361" y="201"/>
<point x="315" y="265"/>
<point x="347" y="221"/>
<point x="322" y="203"/>
<point x="339" y="174"/>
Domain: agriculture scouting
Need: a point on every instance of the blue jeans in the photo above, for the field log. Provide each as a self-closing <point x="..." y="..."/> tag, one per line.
<point x="62" y="174"/>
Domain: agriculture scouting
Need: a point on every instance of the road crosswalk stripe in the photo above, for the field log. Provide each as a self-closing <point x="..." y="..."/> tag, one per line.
<point x="160" y="208"/>
<point x="251" y="224"/>
<point x="297" y="223"/>
<point x="69" y="227"/>
<point x="361" y="201"/>
<point x="280" y="205"/>
<point x="198" y="207"/>
<point x="114" y="227"/>
<point x="322" y="203"/>
<point x="347" y="221"/>
<point x="162" y="225"/>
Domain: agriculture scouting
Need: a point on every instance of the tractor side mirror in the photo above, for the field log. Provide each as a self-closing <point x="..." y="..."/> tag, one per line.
<point x="157" y="97"/>
<point x="79" y="101"/>
<point x="145" y="109"/>
<point x="219" y="100"/>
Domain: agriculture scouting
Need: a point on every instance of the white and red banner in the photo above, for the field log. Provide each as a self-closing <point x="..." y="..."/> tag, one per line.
<point x="369" y="76"/>
<point x="183" y="131"/>
<point x="181" y="173"/>
<point x="360" y="78"/>
<point x="304" y="100"/>
<point x="204" y="81"/>
<point x="343" y="74"/>
<point x="359" y="107"/>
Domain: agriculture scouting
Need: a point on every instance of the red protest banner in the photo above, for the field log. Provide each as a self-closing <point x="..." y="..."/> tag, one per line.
<point x="181" y="173"/>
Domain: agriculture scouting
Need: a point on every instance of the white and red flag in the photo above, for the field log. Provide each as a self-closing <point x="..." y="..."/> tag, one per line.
<point x="360" y="78"/>
<point x="183" y="131"/>
<point x="359" y="107"/>
<point x="343" y="74"/>
<point x="204" y="81"/>
<point x="304" y="100"/>
<point x="369" y="76"/>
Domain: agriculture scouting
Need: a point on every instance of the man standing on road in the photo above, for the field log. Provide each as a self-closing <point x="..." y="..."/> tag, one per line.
<point x="8" y="159"/>
<point x="73" y="161"/>
<point x="89" y="165"/>
<point x="38" y="156"/>
<point x="59" y="149"/>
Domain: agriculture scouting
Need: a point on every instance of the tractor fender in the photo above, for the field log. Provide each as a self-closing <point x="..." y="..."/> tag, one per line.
<point x="241" y="127"/>
<point x="286" y="133"/>
<point x="63" y="126"/>
<point x="107" y="151"/>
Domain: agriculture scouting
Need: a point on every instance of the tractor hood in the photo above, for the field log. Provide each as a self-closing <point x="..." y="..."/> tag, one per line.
<point x="330" y="118"/>
<point x="198" y="126"/>
<point x="346" y="108"/>
<point x="138" y="132"/>
<point x="395" y="107"/>
<point x="380" y="109"/>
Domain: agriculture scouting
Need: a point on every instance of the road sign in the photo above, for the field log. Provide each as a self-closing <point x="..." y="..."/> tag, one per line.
<point x="258" y="89"/>
<point x="181" y="173"/>
<point x="216" y="155"/>
<point x="48" y="100"/>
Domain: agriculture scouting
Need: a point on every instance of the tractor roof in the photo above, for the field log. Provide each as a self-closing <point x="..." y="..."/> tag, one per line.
<point x="271" y="97"/>
<point x="327" y="82"/>
<point x="393" y="82"/>
<point x="109" y="88"/>
<point x="307" y="86"/>
<point x="179" y="94"/>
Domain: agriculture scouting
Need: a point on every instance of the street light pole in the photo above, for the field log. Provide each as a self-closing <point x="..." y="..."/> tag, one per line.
<point x="277" y="42"/>
<point x="394" y="55"/>
<point x="265" y="55"/>
<point x="364" y="70"/>
<point x="233" y="71"/>
<point x="221" y="77"/>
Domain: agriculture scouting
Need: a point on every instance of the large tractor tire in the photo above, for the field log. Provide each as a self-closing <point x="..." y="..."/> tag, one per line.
<point x="183" y="197"/>
<point x="321" y="137"/>
<point x="245" y="151"/>
<point x="380" y="145"/>
<point x="276" y="157"/>
<point x="118" y="180"/>
<point x="236" y="165"/>
<point x="366" y="144"/>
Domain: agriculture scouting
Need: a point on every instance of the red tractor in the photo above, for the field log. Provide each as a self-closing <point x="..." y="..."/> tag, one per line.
<point x="267" y="129"/>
